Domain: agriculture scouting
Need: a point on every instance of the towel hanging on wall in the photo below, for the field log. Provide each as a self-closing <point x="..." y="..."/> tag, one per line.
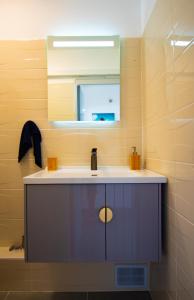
<point x="30" y="137"/>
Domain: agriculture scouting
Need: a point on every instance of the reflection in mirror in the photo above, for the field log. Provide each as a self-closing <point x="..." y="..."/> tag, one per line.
<point x="83" y="78"/>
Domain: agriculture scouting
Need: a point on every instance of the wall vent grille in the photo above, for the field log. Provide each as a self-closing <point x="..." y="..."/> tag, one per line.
<point x="131" y="276"/>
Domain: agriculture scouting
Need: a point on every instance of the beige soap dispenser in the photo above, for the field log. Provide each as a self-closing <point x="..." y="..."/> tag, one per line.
<point x="135" y="160"/>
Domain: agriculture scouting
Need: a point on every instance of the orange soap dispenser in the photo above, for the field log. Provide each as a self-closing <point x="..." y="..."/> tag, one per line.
<point x="135" y="161"/>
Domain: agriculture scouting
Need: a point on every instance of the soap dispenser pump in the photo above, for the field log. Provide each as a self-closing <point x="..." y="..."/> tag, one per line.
<point x="135" y="160"/>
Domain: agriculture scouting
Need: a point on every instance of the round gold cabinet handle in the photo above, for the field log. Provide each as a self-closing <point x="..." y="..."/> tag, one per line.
<point x="105" y="215"/>
<point x="109" y="215"/>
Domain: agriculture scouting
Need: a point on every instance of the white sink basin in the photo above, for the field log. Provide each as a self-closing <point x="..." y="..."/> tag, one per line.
<point x="81" y="175"/>
<point x="75" y="172"/>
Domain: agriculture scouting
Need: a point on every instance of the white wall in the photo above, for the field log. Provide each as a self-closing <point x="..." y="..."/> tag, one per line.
<point x="34" y="19"/>
<point x="147" y="7"/>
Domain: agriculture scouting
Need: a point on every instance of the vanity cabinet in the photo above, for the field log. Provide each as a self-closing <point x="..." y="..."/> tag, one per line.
<point x="62" y="223"/>
<point x="134" y="232"/>
<point x="65" y="222"/>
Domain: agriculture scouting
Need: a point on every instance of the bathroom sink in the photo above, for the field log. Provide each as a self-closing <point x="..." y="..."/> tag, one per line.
<point x="81" y="175"/>
<point x="69" y="173"/>
<point x="78" y="172"/>
<point x="103" y="171"/>
<point x="119" y="172"/>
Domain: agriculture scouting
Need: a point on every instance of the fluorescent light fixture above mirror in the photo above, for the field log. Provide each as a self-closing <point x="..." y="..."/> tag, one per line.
<point x="67" y="44"/>
<point x="60" y="42"/>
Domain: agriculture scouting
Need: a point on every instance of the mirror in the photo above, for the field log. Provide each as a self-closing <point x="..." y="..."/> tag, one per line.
<point x="83" y="78"/>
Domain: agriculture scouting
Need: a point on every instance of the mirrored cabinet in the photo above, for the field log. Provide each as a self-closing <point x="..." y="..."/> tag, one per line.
<point x="83" y="78"/>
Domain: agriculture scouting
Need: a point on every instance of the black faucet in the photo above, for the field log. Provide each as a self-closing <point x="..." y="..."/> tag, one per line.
<point x="94" y="159"/>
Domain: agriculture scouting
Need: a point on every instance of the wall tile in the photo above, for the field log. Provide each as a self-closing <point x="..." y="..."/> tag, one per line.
<point x="22" y="55"/>
<point x="12" y="173"/>
<point x="11" y="231"/>
<point x="185" y="286"/>
<point x="168" y="137"/>
<point x="11" y="204"/>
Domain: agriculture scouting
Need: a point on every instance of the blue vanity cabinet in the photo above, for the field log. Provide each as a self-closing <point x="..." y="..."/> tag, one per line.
<point x="133" y="234"/>
<point x="93" y="222"/>
<point x="62" y="223"/>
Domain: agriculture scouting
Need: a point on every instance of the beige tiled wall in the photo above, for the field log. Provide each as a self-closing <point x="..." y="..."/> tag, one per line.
<point x="23" y="96"/>
<point x="169" y="139"/>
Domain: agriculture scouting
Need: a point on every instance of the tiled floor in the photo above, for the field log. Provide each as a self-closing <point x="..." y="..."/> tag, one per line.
<point x="75" y="296"/>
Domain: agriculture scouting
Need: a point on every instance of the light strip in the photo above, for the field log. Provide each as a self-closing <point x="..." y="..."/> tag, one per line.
<point x="83" y="123"/>
<point x="180" y="43"/>
<point x="67" y="44"/>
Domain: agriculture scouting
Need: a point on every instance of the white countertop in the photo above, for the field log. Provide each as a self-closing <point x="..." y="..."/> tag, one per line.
<point x="80" y="175"/>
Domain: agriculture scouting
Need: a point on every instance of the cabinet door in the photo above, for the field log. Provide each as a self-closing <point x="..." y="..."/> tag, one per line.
<point x="62" y="223"/>
<point x="133" y="233"/>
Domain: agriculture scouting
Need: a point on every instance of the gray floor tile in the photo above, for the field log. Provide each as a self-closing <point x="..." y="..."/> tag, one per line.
<point x="3" y="295"/>
<point x="46" y="296"/>
<point x="119" y="296"/>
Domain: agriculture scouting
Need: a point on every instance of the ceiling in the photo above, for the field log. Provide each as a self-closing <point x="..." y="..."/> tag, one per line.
<point x="34" y="19"/>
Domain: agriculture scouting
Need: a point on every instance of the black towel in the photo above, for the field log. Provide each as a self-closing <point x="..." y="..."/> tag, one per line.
<point x="30" y="137"/>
